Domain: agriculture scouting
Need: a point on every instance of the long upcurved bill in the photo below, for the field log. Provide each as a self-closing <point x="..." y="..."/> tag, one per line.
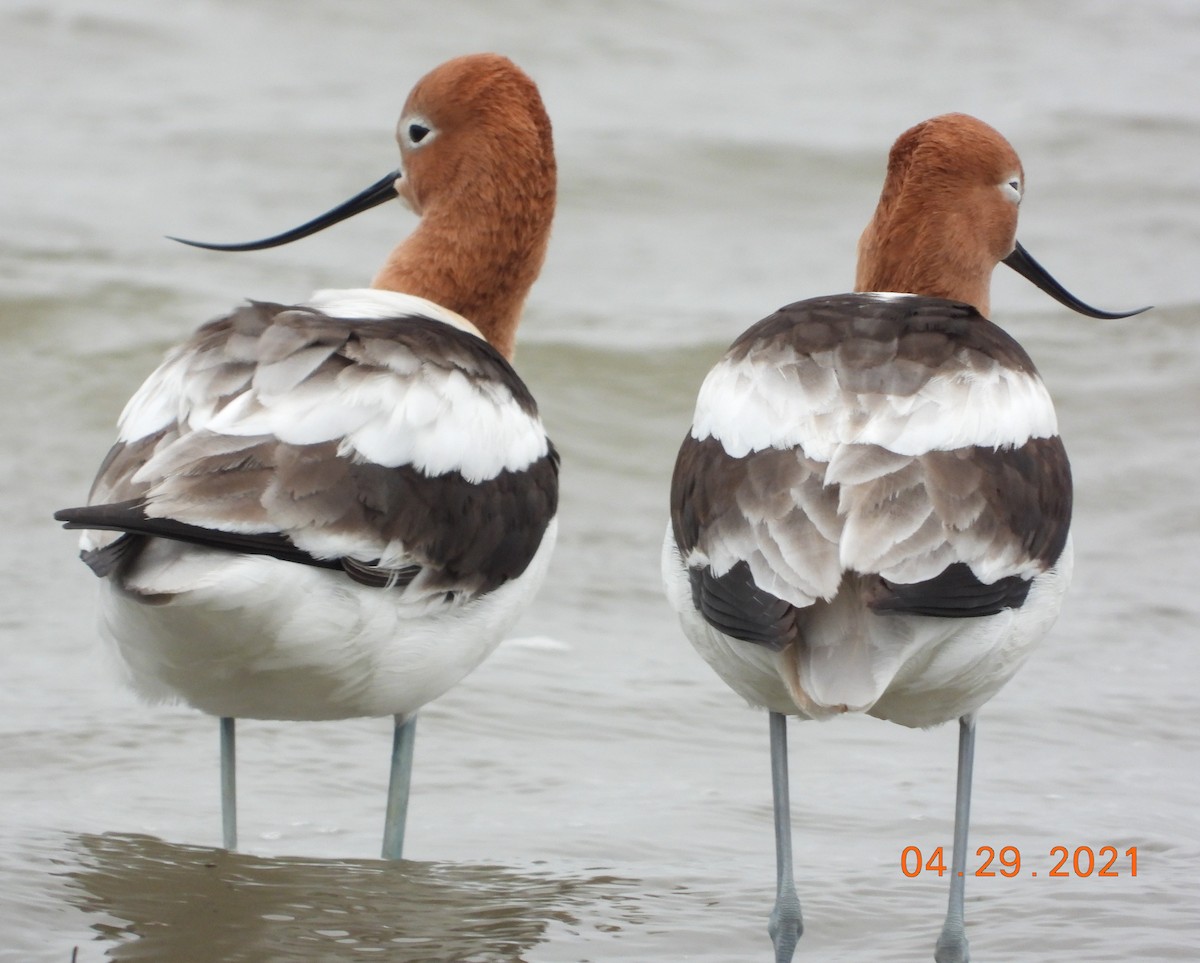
<point x="1021" y="262"/>
<point x="381" y="191"/>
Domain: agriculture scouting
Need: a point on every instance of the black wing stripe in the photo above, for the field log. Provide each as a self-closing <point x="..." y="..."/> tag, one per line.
<point x="109" y="558"/>
<point x="953" y="593"/>
<point x="734" y="605"/>
<point x="130" y="517"/>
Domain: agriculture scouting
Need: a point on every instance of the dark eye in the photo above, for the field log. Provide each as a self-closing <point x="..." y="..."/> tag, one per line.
<point x="417" y="132"/>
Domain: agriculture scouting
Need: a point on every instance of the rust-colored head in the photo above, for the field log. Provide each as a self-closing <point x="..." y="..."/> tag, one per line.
<point x="947" y="213"/>
<point x="478" y="167"/>
<point x="471" y="128"/>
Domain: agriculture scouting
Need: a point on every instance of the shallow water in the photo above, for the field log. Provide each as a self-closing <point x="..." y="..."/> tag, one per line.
<point x="593" y="792"/>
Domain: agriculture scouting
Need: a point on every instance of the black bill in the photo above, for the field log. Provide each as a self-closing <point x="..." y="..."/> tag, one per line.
<point x="381" y="191"/>
<point x="1021" y="262"/>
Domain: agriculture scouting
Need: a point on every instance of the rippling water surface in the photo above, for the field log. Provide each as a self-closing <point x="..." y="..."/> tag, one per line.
<point x="593" y="792"/>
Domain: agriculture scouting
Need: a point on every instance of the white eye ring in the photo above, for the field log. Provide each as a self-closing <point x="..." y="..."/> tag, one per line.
<point x="1012" y="189"/>
<point x="416" y="132"/>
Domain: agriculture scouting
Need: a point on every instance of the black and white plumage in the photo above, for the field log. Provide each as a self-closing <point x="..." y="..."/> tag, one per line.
<point x="872" y="510"/>
<point x="372" y="436"/>
<point x="874" y="495"/>
<point x="339" y="508"/>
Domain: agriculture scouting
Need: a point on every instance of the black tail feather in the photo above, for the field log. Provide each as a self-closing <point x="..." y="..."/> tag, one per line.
<point x="130" y="517"/>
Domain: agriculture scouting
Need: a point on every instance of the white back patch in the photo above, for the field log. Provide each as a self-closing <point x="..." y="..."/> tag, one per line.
<point x="749" y="405"/>
<point x="354" y="303"/>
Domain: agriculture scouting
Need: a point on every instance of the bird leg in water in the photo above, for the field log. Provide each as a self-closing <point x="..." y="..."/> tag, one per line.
<point x="228" y="785"/>
<point x="398" y="786"/>
<point x="952" y="944"/>
<point x="785" y="925"/>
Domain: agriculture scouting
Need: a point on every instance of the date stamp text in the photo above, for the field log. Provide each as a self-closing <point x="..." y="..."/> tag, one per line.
<point x="1061" y="862"/>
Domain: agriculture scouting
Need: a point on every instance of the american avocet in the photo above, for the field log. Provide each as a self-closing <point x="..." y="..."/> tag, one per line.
<point x="338" y="508"/>
<point x="872" y="510"/>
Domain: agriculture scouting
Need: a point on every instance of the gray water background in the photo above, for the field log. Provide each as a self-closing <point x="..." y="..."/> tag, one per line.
<point x="593" y="792"/>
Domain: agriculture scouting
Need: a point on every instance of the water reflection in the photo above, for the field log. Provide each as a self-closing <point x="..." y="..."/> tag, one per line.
<point x="162" y="901"/>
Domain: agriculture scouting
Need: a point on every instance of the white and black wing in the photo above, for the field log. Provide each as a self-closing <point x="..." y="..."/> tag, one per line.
<point x="906" y="443"/>
<point x="404" y="450"/>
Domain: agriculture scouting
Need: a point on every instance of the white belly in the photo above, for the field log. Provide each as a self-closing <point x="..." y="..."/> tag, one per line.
<point x="912" y="670"/>
<point x="255" y="637"/>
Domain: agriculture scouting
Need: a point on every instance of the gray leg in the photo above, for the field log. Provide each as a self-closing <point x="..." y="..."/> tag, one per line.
<point x="398" y="785"/>
<point x="952" y="944"/>
<point x="785" y="925"/>
<point x="228" y="785"/>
